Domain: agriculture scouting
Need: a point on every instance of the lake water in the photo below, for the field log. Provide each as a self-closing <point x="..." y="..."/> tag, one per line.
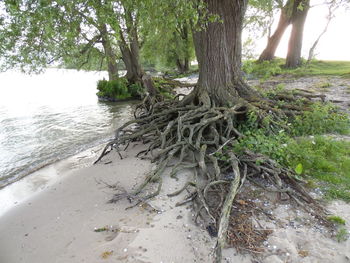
<point x="48" y="117"/>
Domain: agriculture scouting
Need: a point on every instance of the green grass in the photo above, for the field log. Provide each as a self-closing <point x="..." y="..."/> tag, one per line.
<point x="342" y="235"/>
<point x="268" y="69"/>
<point x="323" y="68"/>
<point x="337" y="220"/>
<point x="322" y="161"/>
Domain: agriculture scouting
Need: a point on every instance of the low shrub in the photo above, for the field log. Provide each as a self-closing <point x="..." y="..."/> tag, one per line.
<point x="113" y="89"/>
<point x="321" y="160"/>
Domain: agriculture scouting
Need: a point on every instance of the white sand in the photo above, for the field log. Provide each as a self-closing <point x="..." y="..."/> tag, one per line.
<point x="56" y="223"/>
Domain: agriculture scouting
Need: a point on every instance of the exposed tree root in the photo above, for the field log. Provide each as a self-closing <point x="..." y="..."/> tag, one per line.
<point x="200" y="137"/>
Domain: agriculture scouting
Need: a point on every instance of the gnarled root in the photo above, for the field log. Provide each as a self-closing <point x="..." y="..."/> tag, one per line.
<point x="201" y="138"/>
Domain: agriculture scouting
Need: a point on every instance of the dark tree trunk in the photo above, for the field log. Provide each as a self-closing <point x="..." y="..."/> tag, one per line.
<point x="218" y="49"/>
<point x="183" y="65"/>
<point x="274" y="40"/>
<point x="131" y="59"/>
<point x="111" y="58"/>
<point x="130" y="49"/>
<point x="296" y="38"/>
<point x="183" y="49"/>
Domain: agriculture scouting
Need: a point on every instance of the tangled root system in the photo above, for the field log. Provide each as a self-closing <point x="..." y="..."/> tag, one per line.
<point x="194" y="136"/>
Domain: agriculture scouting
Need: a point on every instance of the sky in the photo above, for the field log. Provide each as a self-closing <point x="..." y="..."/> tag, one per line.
<point x="334" y="45"/>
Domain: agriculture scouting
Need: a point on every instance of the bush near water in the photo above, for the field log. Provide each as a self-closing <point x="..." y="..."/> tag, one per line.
<point x="114" y="90"/>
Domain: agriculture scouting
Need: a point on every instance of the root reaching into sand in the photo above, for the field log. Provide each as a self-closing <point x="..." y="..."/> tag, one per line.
<point x="200" y="136"/>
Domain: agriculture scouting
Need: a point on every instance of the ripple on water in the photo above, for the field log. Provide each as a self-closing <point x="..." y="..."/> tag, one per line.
<point x="44" y="118"/>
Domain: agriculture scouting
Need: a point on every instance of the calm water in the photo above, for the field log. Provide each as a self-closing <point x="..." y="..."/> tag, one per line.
<point x="47" y="117"/>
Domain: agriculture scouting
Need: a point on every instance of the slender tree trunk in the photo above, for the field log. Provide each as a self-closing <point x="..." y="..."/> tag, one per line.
<point x="332" y="7"/>
<point x="183" y="49"/>
<point x="180" y="66"/>
<point x="111" y="58"/>
<point x="275" y="39"/>
<point x="183" y="65"/>
<point x="296" y="38"/>
<point x="218" y="49"/>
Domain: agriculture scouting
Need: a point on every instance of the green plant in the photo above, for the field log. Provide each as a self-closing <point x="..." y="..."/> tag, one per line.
<point x="342" y="235"/>
<point x="135" y="90"/>
<point x="114" y="89"/>
<point x="323" y="85"/>
<point x="262" y="70"/>
<point x="320" y="160"/>
<point x="336" y="219"/>
<point x="323" y="118"/>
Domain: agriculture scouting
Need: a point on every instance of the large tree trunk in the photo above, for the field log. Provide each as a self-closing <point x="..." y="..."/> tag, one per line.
<point x="218" y="49"/>
<point x="296" y="38"/>
<point x="274" y="40"/>
<point x="111" y="58"/>
<point x="131" y="59"/>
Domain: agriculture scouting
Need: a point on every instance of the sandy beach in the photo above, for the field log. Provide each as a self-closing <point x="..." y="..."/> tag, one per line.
<point x="67" y="218"/>
<point x="58" y="223"/>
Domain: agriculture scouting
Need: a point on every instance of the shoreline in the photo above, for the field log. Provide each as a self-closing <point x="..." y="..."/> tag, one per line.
<point x="57" y="222"/>
<point x="41" y="178"/>
<point x="67" y="218"/>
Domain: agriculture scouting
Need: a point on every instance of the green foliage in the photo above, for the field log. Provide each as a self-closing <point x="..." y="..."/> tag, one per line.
<point x="342" y="235"/>
<point x="258" y="140"/>
<point x="323" y="118"/>
<point x="323" y="85"/>
<point x="135" y="90"/>
<point x="114" y="89"/>
<point x="262" y="70"/>
<point x="336" y="219"/>
<point x="322" y="68"/>
<point x="299" y="169"/>
<point x="96" y="61"/>
<point x="268" y="69"/>
<point x="323" y="161"/>
<point x="164" y="88"/>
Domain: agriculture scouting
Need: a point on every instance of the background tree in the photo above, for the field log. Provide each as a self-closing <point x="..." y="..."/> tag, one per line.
<point x="37" y="34"/>
<point x="287" y="13"/>
<point x="332" y="7"/>
<point x="300" y="11"/>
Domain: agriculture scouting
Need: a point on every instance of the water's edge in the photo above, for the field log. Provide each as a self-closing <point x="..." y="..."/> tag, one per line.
<point x="34" y="183"/>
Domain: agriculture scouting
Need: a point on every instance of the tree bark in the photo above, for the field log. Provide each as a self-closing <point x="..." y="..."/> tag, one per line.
<point x="296" y="38"/>
<point x="130" y="49"/>
<point x="183" y="49"/>
<point x="111" y="58"/>
<point x="275" y="39"/>
<point x="183" y="65"/>
<point x="218" y="49"/>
